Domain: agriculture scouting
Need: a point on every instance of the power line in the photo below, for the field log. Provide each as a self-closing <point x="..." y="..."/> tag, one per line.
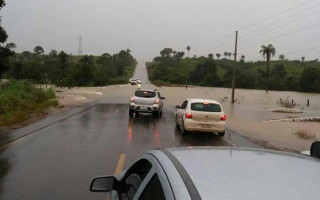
<point x="275" y="15"/>
<point x="288" y="18"/>
<point x="278" y="27"/>
<point x="221" y="43"/>
<point x="303" y="50"/>
<point x="283" y="35"/>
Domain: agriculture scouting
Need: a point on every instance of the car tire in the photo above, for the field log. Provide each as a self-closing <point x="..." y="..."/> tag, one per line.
<point x="183" y="130"/>
<point x="221" y="134"/>
<point x="137" y="114"/>
<point x="177" y="124"/>
<point x="156" y="114"/>
<point x="131" y="112"/>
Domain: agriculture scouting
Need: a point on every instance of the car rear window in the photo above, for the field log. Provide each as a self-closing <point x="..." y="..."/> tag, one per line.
<point x="205" y="107"/>
<point x="145" y="94"/>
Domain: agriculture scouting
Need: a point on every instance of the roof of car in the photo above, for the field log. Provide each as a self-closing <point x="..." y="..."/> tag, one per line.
<point x="239" y="173"/>
<point x="193" y="100"/>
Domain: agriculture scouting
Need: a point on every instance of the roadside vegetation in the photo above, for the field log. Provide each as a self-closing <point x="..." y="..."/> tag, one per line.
<point x="19" y="99"/>
<point x="62" y="69"/>
<point x="292" y="75"/>
<point x="305" y="134"/>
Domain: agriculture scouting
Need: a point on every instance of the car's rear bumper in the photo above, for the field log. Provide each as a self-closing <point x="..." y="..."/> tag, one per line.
<point x="191" y="125"/>
<point x="144" y="108"/>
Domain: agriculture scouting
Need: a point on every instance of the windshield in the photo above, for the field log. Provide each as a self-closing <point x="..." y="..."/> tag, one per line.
<point x="205" y="107"/>
<point x="145" y="94"/>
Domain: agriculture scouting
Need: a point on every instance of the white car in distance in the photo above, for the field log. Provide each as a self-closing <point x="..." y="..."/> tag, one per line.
<point x="201" y="115"/>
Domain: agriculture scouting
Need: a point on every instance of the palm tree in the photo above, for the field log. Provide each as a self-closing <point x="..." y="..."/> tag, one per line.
<point x="188" y="49"/>
<point x="225" y="54"/>
<point x="218" y="55"/>
<point x="243" y="57"/>
<point x="229" y="54"/>
<point x="267" y="52"/>
<point x="303" y="59"/>
<point x="282" y="57"/>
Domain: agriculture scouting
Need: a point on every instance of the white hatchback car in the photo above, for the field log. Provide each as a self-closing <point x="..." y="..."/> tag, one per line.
<point x="202" y="115"/>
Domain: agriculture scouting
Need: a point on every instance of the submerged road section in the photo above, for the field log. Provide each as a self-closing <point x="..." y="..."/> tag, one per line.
<point x="59" y="161"/>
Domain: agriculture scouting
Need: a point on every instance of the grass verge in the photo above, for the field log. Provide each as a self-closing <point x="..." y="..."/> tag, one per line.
<point x="304" y="134"/>
<point x="20" y="99"/>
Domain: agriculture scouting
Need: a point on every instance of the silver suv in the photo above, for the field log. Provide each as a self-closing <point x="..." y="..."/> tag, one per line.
<point x="146" y="101"/>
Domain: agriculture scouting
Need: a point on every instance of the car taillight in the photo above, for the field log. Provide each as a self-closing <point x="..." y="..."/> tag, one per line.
<point x="132" y="99"/>
<point x="188" y="115"/>
<point x="156" y="101"/>
<point x="223" y="118"/>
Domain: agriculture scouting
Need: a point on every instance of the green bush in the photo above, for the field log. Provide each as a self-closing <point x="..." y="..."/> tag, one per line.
<point x="18" y="99"/>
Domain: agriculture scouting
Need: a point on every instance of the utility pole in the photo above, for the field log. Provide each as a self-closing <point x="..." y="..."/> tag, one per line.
<point x="80" y="46"/>
<point x="234" y="66"/>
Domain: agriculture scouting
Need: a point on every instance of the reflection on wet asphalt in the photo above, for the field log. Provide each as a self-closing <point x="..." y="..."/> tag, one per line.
<point x="58" y="162"/>
<point x="4" y="169"/>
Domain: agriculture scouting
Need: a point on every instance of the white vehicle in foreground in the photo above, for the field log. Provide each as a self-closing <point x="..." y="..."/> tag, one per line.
<point x="202" y="115"/>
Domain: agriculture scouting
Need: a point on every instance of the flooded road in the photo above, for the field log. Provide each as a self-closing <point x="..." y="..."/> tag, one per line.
<point x="60" y="155"/>
<point x="58" y="162"/>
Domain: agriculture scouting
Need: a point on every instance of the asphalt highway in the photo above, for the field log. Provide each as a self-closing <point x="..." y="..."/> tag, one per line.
<point x="57" y="162"/>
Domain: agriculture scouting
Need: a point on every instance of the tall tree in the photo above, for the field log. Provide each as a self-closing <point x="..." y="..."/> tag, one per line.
<point x="229" y="54"/>
<point x="166" y="52"/>
<point x="210" y="55"/>
<point x="303" y="59"/>
<point x="267" y="52"/>
<point x="225" y="54"/>
<point x="38" y="50"/>
<point x="53" y="53"/>
<point x="5" y="51"/>
<point x="218" y="55"/>
<point x="282" y="57"/>
<point x="243" y="57"/>
<point x="188" y="49"/>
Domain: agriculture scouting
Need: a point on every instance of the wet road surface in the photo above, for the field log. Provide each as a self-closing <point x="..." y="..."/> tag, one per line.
<point x="59" y="161"/>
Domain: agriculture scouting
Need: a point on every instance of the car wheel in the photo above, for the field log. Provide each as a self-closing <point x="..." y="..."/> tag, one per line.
<point x="131" y="112"/>
<point x="221" y="134"/>
<point x="183" y="130"/>
<point x="137" y="114"/>
<point x="156" y="114"/>
<point x="177" y="124"/>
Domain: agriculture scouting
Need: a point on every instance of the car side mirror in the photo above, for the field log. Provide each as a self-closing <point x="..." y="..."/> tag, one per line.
<point x="178" y="106"/>
<point x="163" y="98"/>
<point x="315" y="149"/>
<point x="104" y="184"/>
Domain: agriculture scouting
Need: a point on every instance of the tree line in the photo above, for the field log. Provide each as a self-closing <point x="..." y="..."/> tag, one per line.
<point x="171" y="67"/>
<point x="62" y="69"/>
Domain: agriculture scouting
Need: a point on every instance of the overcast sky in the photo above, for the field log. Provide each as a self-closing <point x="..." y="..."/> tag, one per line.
<point x="147" y="26"/>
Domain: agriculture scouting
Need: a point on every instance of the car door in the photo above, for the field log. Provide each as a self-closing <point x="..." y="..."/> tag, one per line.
<point x="156" y="185"/>
<point x="145" y="180"/>
<point x="181" y="111"/>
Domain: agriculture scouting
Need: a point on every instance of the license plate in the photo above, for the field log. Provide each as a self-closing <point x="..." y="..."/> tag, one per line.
<point x="143" y="108"/>
<point x="206" y="126"/>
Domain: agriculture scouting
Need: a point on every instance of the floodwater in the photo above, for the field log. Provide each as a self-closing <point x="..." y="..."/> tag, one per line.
<point x="246" y="117"/>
